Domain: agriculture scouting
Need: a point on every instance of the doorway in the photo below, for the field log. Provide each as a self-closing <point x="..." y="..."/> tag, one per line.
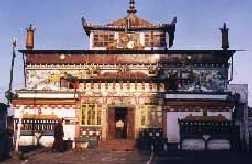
<point x="127" y="116"/>
<point x="121" y="114"/>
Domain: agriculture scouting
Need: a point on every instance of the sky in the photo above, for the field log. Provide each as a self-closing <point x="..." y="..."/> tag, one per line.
<point x="58" y="26"/>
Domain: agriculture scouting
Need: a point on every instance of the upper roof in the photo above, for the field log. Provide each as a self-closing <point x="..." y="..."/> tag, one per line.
<point x="132" y="19"/>
<point x="131" y="22"/>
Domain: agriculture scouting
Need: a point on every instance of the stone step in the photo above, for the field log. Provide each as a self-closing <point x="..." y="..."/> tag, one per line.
<point x="117" y="145"/>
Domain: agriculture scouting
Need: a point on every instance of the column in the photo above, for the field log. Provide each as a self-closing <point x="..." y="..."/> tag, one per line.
<point x="104" y="121"/>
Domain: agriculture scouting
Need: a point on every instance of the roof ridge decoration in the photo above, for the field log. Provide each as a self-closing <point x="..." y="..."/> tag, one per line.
<point x="132" y="8"/>
<point x="132" y="23"/>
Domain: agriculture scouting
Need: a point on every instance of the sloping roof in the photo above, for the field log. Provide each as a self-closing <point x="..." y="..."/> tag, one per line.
<point x="131" y="20"/>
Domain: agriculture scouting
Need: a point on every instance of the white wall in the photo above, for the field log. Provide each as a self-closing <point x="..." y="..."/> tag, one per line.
<point x="69" y="132"/>
<point x="199" y="144"/>
<point x="31" y="140"/>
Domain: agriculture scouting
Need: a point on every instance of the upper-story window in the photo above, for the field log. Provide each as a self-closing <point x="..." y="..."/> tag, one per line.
<point x="104" y="38"/>
<point x="155" y="39"/>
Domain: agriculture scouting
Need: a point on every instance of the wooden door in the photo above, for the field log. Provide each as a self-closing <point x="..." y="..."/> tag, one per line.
<point x="131" y="123"/>
<point x="111" y="123"/>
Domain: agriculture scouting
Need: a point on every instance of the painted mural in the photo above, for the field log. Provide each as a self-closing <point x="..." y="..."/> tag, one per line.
<point x="49" y="79"/>
<point x="196" y="79"/>
<point x="186" y="79"/>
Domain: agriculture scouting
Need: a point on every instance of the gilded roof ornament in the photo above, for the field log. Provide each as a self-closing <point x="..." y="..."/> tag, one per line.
<point x="132" y="8"/>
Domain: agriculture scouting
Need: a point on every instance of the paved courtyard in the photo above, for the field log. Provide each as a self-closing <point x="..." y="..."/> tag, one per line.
<point x="84" y="157"/>
<point x="209" y="157"/>
<point x="45" y="156"/>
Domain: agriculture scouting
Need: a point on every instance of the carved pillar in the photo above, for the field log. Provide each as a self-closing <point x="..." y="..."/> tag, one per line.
<point x="137" y="116"/>
<point x="104" y="121"/>
<point x="77" y="119"/>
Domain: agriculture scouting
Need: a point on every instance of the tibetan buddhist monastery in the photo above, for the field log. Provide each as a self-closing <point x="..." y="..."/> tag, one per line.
<point x="129" y="85"/>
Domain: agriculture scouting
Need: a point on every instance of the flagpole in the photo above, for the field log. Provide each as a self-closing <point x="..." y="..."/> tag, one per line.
<point x="9" y="94"/>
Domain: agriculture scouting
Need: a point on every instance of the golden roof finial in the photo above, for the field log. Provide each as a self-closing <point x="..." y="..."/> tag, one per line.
<point x="132" y="9"/>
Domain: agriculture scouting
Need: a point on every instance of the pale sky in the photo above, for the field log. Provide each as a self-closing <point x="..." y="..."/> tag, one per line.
<point x="58" y="26"/>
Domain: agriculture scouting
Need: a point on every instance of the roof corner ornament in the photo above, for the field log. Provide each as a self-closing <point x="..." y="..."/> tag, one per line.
<point x="85" y="25"/>
<point x="225" y="42"/>
<point x="132" y="8"/>
<point x="171" y="31"/>
<point x="83" y="21"/>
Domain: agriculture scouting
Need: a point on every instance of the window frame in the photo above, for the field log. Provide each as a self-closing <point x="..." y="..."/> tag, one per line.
<point x="95" y="115"/>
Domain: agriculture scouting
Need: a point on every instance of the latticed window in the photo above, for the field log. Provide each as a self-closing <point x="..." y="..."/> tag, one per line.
<point x="151" y="116"/>
<point x="90" y="115"/>
<point x="155" y="39"/>
<point x="103" y="38"/>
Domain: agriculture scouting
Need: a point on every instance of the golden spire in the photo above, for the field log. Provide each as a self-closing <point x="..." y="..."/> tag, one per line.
<point x="132" y="9"/>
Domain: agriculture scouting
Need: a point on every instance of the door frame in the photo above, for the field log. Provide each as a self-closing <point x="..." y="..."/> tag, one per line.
<point x="131" y="125"/>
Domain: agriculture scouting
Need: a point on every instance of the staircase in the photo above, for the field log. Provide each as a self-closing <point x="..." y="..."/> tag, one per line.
<point x="117" y="145"/>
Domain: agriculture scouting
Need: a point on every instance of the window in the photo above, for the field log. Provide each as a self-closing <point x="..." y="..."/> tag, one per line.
<point x="103" y="38"/>
<point x="90" y="115"/>
<point x="155" y="39"/>
<point x="151" y="116"/>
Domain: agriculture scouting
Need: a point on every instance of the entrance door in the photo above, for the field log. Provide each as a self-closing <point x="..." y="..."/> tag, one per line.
<point x="121" y="120"/>
<point x="117" y="116"/>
